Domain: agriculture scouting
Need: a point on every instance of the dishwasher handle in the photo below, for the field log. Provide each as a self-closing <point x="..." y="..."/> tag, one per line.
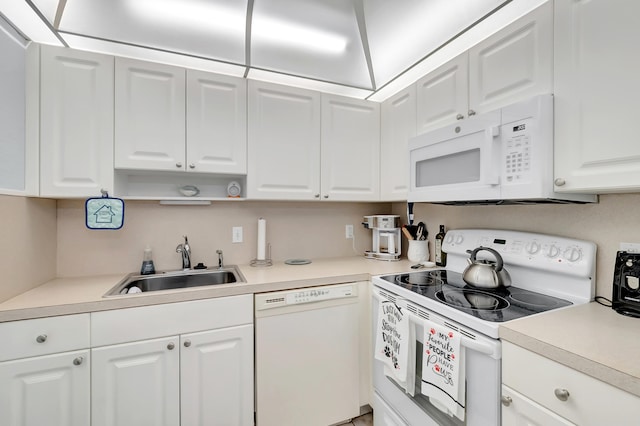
<point x="305" y="296"/>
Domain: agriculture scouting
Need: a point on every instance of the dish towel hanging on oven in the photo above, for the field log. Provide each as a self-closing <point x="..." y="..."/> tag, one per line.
<point x="393" y="341"/>
<point x="443" y="373"/>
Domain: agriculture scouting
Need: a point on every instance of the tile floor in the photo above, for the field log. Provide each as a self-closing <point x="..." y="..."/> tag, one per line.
<point x="364" y="420"/>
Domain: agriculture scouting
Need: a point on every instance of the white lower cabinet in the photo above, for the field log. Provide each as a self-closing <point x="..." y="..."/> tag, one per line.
<point x="45" y="372"/>
<point x="50" y="390"/>
<point x="539" y="391"/>
<point x="187" y="363"/>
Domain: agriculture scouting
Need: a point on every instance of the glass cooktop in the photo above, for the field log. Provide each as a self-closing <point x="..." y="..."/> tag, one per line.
<point x="495" y="305"/>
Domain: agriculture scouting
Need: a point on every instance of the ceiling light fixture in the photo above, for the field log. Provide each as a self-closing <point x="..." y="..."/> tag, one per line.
<point x="285" y="33"/>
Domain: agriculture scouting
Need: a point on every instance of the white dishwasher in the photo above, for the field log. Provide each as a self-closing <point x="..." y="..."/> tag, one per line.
<point x="306" y="347"/>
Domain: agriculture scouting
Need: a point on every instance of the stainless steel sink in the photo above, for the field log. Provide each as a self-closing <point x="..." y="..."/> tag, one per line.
<point x="176" y="280"/>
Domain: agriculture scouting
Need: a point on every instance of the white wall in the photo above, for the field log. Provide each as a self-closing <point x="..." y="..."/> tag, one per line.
<point x="613" y="220"/>
<point x="294" y="230"/>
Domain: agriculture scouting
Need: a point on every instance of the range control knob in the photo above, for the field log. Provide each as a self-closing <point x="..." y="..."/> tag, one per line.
<point x="533" y="247"/>
<point x="449" y="238"/>
<point x="459" y="239"/>
<point x="552" y="251"/>
<point x="572" y="254"/>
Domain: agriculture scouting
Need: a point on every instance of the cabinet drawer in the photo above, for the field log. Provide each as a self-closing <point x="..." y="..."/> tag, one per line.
<point x="42" y="336"/>
<point x="590" y="401"/>
<point x="148" y="322"/>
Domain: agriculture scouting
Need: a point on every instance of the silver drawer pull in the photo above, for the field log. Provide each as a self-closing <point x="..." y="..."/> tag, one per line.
<point x="459" y="117"/>
<point x="78" y="360"/>
<point x="561" y="394"/>
<point x="187" y="343"/>
<point x="506" y="400"/>
<point x="170" y="346"/>
<point x="41" y="338"/>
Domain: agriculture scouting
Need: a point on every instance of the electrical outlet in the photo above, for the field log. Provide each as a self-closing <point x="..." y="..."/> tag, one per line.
<point x="348" y="231"/>
<point x="236" y="234"/>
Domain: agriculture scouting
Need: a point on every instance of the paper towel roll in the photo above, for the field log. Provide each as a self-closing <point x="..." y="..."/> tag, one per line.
<point x="262" y="238"/>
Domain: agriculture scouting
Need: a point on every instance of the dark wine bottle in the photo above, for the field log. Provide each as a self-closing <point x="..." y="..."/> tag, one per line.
<point x="440" y="256"/>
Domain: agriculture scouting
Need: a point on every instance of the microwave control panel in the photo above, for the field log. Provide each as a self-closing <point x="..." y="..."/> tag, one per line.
<point x="517" y="151"/>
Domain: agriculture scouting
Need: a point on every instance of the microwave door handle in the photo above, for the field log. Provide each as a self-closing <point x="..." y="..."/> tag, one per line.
<point x="492" y="176"/>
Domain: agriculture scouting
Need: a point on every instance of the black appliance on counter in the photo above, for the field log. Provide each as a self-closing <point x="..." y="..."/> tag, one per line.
<point x="626" y="284"/>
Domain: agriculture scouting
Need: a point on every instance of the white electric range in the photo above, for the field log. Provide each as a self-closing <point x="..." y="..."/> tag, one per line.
<point x="548" y="272"/>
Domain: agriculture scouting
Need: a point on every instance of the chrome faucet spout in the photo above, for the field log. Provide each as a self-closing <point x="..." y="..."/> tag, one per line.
<point x="185" y="250"/>
<point x="220" y="262"/>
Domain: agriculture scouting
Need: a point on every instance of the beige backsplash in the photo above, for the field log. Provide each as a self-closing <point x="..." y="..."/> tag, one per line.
<point x="294" y="229"/>
<point x="28" y="244"/>
<point x="613" y="220"/>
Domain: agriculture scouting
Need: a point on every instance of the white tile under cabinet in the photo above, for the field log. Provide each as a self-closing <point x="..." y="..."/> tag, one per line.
<point x="513" y="64"/>
<point x="45" y="371"/>
<point x="596" y="93"/>
<point x="350" y="149"/>
<point x="284" y="143"/>
<point x="76" y="122"/>
<point x="545" y="389"/>
<point x="397" y="125"/>
<point x="197" y="356"/>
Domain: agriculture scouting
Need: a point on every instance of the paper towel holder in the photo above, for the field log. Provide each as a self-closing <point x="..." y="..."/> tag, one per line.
<point x="263" y="262"/>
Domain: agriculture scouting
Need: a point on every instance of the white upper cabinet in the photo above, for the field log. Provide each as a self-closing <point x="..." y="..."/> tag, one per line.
<point x="350" y="149"/>
<point x="398" y="125"/>
<point x="216" y="123"/>
<point x="76" y="142"/>
<point x="442" y="95"/>
<point x="283" y="142"/>
<point x="596" y="95"/>
<point x="512" y="65"/>
<point x="149" y="116"/>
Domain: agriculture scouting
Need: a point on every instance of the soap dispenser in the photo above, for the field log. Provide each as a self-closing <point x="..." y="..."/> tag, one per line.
<point x="147" y="263"/>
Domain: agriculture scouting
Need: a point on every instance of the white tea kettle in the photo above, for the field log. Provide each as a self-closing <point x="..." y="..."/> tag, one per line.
<point x="486" y="273"/>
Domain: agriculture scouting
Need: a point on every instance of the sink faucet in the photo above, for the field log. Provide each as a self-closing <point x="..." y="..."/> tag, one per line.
<point x="220" y="265"/>
<point x="185" y="251"/>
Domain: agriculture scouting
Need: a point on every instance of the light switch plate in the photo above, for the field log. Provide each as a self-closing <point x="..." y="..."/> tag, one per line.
<point x="236" y="234"/>
<point x="348" y="231"/>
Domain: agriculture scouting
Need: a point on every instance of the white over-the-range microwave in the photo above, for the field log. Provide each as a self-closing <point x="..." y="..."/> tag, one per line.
<point x="503" y="156"/>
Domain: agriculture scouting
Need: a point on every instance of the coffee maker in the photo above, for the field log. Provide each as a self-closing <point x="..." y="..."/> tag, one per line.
<point x="626" y="284"/>
<point x="386" y="236"/>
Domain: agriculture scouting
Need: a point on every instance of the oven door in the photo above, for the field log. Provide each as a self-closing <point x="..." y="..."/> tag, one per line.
<point x="482" y="371"/>
<point x="460" y="162"/>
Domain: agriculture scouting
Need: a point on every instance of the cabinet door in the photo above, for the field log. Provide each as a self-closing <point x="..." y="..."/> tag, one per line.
<point x="350" y="149"/>
<point x="521" y="411"/>
<point x="50" y="390"/>
<point x="217" y="377"/>
<point x="514" y="64"/>
<point x="398" y="124"/>
<point x="284" y="143"/>
<point x="442" y="95"/>
<point x="150" y="116"/>
<point x="136" y="384"/>
<point x="596" y="93"/>
<point x="216" y="123"/>
<point x="76" y="140"/>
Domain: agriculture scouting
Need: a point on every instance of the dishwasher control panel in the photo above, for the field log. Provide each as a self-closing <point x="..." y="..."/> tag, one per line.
<point x="304" y="295"/>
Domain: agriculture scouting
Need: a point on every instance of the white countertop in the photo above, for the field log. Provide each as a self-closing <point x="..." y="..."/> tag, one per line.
<point x="590" y="338"/>
<point x="63" y="296"/>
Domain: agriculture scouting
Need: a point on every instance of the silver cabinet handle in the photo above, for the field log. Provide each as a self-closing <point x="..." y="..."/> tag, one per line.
<point x="179" y="165"/>
<point x="506" y="400"/>
<point x="170" y="346"/>
<point x="459" y="117"/>
<point x="559" y="182"/>
<point x="326" y="196"/>
<point x="187" y="343"/>
<point x="317" y="196"/>
<point x="471" y="112"/>
<point x="561" y="394"/>
<point x="41" y="338"/>
<point x="192" y="166"/>
<point x="78" y="360"/>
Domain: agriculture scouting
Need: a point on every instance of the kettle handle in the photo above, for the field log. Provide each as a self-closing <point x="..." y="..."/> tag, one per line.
<point x="499" y="261"/>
